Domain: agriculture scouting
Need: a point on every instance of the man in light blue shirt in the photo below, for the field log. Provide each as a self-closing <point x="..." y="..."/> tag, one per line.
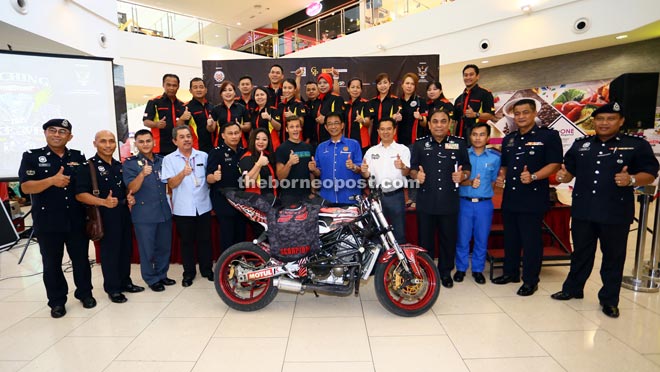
<point x="184" y="171"/>
<point x="476" y="206"/>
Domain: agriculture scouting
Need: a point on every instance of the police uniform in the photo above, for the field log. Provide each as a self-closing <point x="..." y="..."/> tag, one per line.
<point x="59" y="219"/>
<point x="480" y="100"/>
<point x="152" y="218"/>
<point x="523" y="205"/>
<point x="602" y="210"/>
<point x="437" y="198"/>
<point x="117" y="242"/>
<point x="232" y="222"/>
<point x="200" y="112"/>
<point x="157" y="108"/>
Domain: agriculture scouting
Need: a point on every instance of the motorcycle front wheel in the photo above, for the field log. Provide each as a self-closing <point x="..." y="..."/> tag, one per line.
<point x="246" y="296"/>
<point x="407" y="300"/>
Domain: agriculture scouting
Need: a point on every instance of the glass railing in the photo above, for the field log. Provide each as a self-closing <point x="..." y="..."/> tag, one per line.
<point x="352" y="18"/>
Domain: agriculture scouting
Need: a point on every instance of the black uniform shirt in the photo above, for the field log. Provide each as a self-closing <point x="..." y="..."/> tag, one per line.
<point x="274" y="96"/>
<point x="55" y="209"/>
<point x="480" y="100"/>
<point x="309" y="128"/>
<point x="596" y="197"/>
<point x="296" y="106"/>
<point x="236" y="112"/>
<point x="331" y="103"/>
<point x="386" y="108"/>
<point x="158" y="107"/>
<point x="109" y="177"/>
<point x="228" y="160"/>
<point x="201" y="111"/>
<point x="352" y="128"/>
<point x="440" y="104"/>
<point x="439" y="194"/>
<point x="410" y="129"/>
<point x="534" y="149"/>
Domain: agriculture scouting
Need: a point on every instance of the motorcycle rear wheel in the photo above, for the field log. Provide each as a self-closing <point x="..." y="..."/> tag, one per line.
<point x="248" y="296"/>
<point x="411" y="300"/>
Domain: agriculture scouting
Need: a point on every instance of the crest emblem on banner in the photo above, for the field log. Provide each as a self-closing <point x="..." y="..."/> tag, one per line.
<point x="422" y="71"/>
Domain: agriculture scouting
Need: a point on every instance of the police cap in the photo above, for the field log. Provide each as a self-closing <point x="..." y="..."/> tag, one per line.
<point x="610" y="108"/>
<point x="62" y="123"/>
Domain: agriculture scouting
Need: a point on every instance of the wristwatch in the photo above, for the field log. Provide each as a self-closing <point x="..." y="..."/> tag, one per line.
<point x="534" y="177"/>
<point x="478" y="114"/>
<point x="632" y="181"/>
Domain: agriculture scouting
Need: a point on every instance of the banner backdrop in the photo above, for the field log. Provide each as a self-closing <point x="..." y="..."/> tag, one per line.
<point x="366" y="68"/>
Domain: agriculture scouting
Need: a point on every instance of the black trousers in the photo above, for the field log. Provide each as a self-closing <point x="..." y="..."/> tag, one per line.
<point x="613" y="243"/>
<point x="445" y="227"/>
<point x="116" y="248"/>
<point x="232" y="230"/>
<point x="522" y="231"/>
<point x="195" y="229"/>
<point x="51" y="246"/>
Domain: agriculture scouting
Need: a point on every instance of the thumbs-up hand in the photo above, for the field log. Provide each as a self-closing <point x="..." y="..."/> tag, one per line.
<point x="417" y="115"/>
<point x="109" y="201"/>
<point x="334" y="72"/>
<point x="294" y="158"/>
<point x="217" y="175"/>
<point x="60" y="180"/>
<point x="359" y="117"/>
<point x="147" y="169"/>
<point x="398" y="163"/>
<point x="312" y="165"/>
<point x="320" y="119"/>
<point x="562" y="174"/>
<point x="162" y="123"/>
<point x="421" y="176"/>
<point x="500" y="181"/>
<point x="130" y="199"/>
<point x="299" y="71"/>
<point x="469" y="113"/>
<point x="263" y="160"/>
<point x="210" y="125"/>
<point x="398" y="116"/>
<point x="186" y="114"/>
<point x="476" y="182"/>
<point x="349" y="163"/>
<point x="265" y="115"/>
<point x="288" y="113"/>
<point x="187" y="169"/>
<point x="457" y="176"/>
<point x="364" y="168"/>
<point x="525" y="176"/>
<point x="622" y="178"/>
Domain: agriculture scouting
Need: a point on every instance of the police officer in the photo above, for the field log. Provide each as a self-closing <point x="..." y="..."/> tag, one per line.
<point x="475" y="104"/>
<point x="529" y="156"/>
<point x="162" y="113"/>
<point x="439" y="163"/>
<point x="117" y="242"/>
<point x="49" y="174"/>
<point x="607" y="167"/>
<point x="151" y="215"/>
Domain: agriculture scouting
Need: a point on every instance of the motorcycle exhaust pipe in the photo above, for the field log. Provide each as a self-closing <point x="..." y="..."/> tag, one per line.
<point x="289" y="285"/>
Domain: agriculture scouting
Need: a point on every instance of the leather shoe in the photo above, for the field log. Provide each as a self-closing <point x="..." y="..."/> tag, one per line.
<point x="527" y="289"/>
<point x="132" y="288"/>
<point x="479" y="278"/>
<point x="88" y="302"/>
<point x="209" y="276"/>
<point x="117" y="298"/>
<point x="447" y="282"/>
<point x="186" y="282"/>
<point x="57" y="311"/>
<point x="168" y="281"/>
<point x="611" y="311"/>
<point x="505" y="279"/>
<point x="564" y="296"/>
<point x="458" y="276"/>
<point x="157" y="287"/>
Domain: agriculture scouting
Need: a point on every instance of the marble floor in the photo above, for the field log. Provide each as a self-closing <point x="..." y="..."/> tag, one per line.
<point x="471" y="328"/>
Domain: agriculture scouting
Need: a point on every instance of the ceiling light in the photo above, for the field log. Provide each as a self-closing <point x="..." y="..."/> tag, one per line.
<point x="238" y="23"/>
<point x="621" y="37"/>
<point x="484" y="61"/>
<point x="526" y="8"/>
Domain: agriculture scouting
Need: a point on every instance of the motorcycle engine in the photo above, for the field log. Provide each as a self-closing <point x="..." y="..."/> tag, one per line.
<point x="332" y="272"/>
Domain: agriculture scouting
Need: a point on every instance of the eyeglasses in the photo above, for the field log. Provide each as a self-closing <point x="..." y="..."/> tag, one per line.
<point x="61" y="132"/>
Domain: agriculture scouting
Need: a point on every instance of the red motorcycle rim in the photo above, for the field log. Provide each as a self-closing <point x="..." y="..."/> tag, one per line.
<point x="398" y="300"/>
<point x="255" y="290"/>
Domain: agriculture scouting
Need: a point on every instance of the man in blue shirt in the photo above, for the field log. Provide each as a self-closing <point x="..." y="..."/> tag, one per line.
<point x="337" y="163"/>
<point x="476" y="206"/>
<point x="184" y="171"/>
<point x="151" y="214"/>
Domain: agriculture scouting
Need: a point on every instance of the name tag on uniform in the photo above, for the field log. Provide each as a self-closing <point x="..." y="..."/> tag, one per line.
<point x="534" y="144"/>
<point x="451" y="146"/>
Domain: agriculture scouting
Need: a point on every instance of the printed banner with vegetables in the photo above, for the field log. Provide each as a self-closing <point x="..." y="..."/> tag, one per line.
<point x="566" y="108"/>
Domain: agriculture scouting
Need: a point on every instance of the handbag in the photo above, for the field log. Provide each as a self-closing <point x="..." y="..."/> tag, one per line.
<point x="93" y="222"/>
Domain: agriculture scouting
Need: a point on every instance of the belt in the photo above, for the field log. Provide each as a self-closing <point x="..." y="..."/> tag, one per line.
<point x="475" y="200"/>
<point x="393" y="192"/>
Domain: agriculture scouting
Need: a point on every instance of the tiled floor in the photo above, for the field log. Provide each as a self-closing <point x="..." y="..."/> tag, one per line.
<point x="471" y="328"/>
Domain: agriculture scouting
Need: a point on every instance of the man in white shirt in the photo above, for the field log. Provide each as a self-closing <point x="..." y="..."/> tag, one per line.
<point x="389" y="163"/>
<point x="184" y="171"/>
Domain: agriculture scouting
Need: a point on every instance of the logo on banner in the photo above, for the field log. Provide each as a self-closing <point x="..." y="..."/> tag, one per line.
<point x="314" y="70"/>
<point x="422" y="72"/>
<point x="219" y="76"/>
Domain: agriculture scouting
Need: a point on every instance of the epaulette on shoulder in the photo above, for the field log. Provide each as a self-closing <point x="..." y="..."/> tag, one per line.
<point x="36" y="151"/>
<point x="635" y="135"/>
<point x="131" y="158"/>
<point x="584" y="137"/>
<point x="459" y="137"/>
<point x="423" y="138"/>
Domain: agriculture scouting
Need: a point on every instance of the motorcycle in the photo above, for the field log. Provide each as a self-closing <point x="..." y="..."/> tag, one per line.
<point x="351" y="244"/>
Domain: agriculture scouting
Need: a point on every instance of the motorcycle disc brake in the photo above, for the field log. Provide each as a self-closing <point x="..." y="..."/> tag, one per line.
<point x="404" y="288"/>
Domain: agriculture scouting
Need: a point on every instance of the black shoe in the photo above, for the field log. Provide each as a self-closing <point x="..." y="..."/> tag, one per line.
<point x="88" y="302"/>
<point x="209" y="276"/>
<point x="527" y="289"/>
<point x="564" y="296"/>
<point x="505" y="279"/>
<point x="168" y="281"/>
<point x="117" y="298"/>
<point x="458" y="276"/>
<point x="132" y="288"/>
<point x="157" y="287"/>
<point x="186" y="282"/>
<point x="611" y="311"/>
<point x="57" y="311"/>
<point x="447" y="282"/>
<point x="479" y="278"/>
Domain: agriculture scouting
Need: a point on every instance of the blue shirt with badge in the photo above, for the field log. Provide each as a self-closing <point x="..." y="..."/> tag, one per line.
<point x="338" y="183"/>
<point x="486" y="166"/>
<point x="191" y="197"/>
<point x="151" y="201"/>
